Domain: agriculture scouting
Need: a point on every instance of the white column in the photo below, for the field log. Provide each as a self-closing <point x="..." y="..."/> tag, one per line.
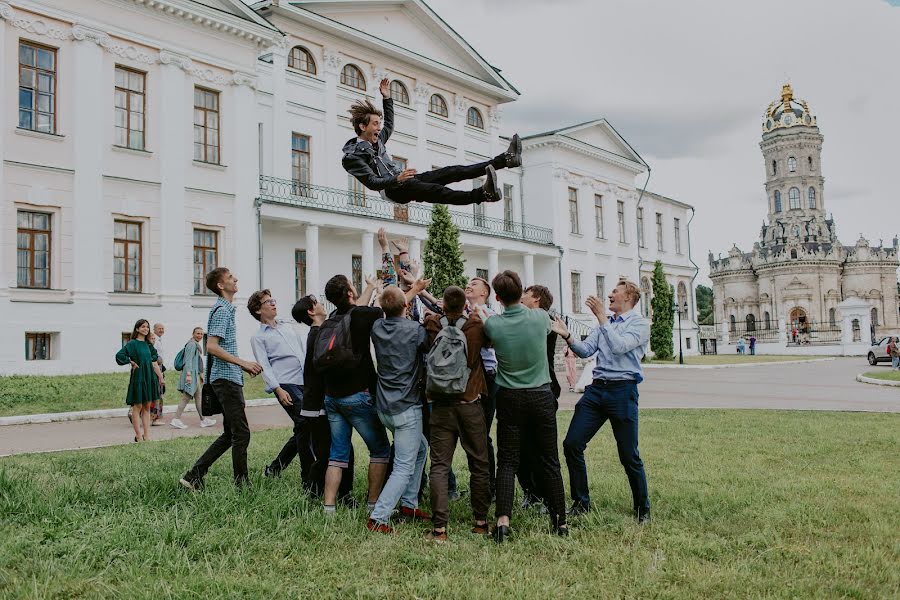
<point x="281" y="131"/>
<point x="7" y="214"/>
<point x="175" y="101"/>
<point x="460" y="106"/>
<point x="422" y="95"/>
<point x="334" y="173"/>
<point x="368" y="254"/>
<point x="313" y="285"/>
<point x="415" y="250"/>
<point x="91" y="226"/>
<point x="493" y="263"/>
<point x="244" y="170"/>
<point x="529" y="269"/>
<point x="784" y="334"/>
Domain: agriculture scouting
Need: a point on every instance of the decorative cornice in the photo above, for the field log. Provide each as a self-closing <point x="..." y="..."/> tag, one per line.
<point x="35" y="26"/>
<point x="242" y="78"/>
<point x="5" y="11"/>
<point x="587" y="150"/>
<point x="216" y="20"/>
<point x="83" y="33"/>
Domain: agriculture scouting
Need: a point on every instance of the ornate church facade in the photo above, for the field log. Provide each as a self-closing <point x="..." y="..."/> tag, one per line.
<point x="798" y="273"/>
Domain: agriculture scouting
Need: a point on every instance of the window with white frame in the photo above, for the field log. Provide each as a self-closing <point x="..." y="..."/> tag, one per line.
<point x="576" y="292"/>
<point x="573" y="211"/>
<point x="620" y="213"/>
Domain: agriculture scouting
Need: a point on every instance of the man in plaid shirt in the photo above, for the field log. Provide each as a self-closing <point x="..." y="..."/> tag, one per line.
<point x="227" y="381"/>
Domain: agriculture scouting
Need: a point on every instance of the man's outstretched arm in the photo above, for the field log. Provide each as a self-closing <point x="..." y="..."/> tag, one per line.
<point x="387" y="105"/>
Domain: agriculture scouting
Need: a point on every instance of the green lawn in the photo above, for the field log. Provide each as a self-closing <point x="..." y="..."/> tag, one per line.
<point x="734" y="359"/>
<point x="34" y="394"/>
<point x="887" y="374"/>
<point x="746" y="504"/>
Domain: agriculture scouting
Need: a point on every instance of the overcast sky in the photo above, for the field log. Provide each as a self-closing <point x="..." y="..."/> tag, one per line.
<point x="687" y="82"/>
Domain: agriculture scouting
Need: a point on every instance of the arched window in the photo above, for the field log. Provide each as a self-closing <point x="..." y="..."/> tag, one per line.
<point x="438" y="106"/>
<point x="774" y="168"/>
<point x="793" y="198"/>
<point x="751" y="323"/>
<point x="792" y="164"/>
<point x="875" y="317"/>
<point x="767" y="320"/>
<point x="857" y="336"/>
<point x="832" y="317"/>
<point x="733" y="323"/>
<point x="809" y="162"/>
<point x="811" y="196"/>
<point x="399" y="93"/>
<point x="473" y="118"/>
<point x="645" y="296"/>
<point x="301" y="59"/>
<point x="351" y="76"/>
<point x="777" y="201"/>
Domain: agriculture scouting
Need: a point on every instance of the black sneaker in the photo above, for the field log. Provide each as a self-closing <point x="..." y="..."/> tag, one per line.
<point x="491" y="187"/>
<point x="513" y="154"/>
<point x="578" y="509"/>
<point x="642" y="515"/>
<point x="270" y="472"/>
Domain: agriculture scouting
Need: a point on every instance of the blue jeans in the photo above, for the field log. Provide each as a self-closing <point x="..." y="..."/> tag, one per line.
<point x="895" y="362"/>
<point x="355" y="412"/>
<point x="618" y="403"/>
<point x="410" y="450"/>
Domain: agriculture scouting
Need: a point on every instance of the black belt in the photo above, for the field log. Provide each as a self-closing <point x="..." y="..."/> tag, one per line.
<point x="612" y="382"/>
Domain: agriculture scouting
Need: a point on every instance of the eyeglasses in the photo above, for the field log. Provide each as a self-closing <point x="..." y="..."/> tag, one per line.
<point x="270" y="302"/>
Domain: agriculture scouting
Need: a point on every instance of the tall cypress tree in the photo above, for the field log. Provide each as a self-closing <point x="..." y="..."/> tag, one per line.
<point x="663" y="317"/>
<point x="442" y="256"/>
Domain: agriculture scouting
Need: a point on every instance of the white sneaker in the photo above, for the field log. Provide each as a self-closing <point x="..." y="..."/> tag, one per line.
<point x="206" y="422"/>
<point x="177" y="424"/>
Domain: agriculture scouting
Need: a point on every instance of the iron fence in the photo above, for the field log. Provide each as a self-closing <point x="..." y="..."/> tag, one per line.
<point x="576" y="327"/>
<point x="285" y="191"/>
<point x="809" y="333"/>
<point x="738" y="330"/>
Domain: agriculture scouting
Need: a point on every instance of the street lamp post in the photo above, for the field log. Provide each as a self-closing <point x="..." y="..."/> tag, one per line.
<point x="678" y="309"/>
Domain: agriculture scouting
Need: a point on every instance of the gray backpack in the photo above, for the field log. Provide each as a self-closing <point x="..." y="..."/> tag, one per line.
<point x="447" y="363"/>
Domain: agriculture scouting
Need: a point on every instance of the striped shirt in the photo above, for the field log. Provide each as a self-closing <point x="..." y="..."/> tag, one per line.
<point x="221" y="325"/>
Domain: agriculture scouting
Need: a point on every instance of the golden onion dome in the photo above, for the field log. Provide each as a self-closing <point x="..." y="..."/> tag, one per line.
<point x="787" y="112"/>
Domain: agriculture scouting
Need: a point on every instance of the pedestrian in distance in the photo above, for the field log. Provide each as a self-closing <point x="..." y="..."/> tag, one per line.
<point x="156" y="338"/>
<point x="741" y="346"/>
<point x="190" y="382"/>
<point x="146" y="377"/>
<point x="752" y="345"/>
<point x="571" y="368"/>
<point x="367" y="159"/>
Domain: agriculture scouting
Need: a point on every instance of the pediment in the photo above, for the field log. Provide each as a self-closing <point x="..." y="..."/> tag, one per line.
<point x="600" y="134"/>
<point x="412" y="26"/>
<point x="796" y="285"/>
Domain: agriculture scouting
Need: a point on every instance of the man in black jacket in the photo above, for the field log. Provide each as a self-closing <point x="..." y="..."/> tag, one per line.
<point x="367" y="159"/>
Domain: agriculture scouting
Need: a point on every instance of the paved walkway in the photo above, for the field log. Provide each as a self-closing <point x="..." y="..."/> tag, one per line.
<point x="813" y="386"/>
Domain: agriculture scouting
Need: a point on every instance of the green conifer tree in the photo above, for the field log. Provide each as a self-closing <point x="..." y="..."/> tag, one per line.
<point x="663" y="317"/>
<point x="442" y="255"/>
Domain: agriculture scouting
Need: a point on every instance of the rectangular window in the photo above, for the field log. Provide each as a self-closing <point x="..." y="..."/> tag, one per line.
<point x="659" y="232"/>
<point x="206" y="125"/>
<point x="576" y="292"/>
<point x="598" y="216"/>
<point x="483" y="273"/>
<point x="300" y="164"/>
<point x="127" y="267"/>
<point x="37" y="346"/>
<point x="508" y="207"/>
<point x="687" y="343"/>
<point x="640" y="227"/>
<point x="678" y="236"/>
<point x="573" y="211"/>
<point x="401" y="211"/>
<point x="206" y="258"/>
<point x="601" y="287"/>
<point x="357" y="192"/>
<point x="356" y="272"/>
<point x="478" y="209"/>
<point x="620" y="212"/>
<point x="33" y="249"/>
<point x="300" y="272"/>
<point x="37" y="87"/>
<point x="130" y="112"/>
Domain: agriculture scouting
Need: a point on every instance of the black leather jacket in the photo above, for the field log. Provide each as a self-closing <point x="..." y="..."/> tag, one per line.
<point x="373" y="168"/>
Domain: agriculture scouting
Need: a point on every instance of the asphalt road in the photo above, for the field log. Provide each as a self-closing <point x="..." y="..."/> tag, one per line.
<point x="827" y="385"/>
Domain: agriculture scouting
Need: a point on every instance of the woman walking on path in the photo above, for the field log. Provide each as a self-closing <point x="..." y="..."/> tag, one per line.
<point x="146" y="377"/>
<point x="190" y="384"/>
<point x="571" y="369"/>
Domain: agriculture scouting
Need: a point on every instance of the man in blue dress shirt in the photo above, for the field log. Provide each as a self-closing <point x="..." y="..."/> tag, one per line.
<point x="619" y="342"/>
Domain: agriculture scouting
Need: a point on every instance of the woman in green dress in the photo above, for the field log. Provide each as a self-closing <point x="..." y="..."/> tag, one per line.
<point x="146" y="377"/>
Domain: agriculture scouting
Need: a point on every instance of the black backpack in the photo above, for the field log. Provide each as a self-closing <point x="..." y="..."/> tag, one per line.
<point x="334" y="347"/>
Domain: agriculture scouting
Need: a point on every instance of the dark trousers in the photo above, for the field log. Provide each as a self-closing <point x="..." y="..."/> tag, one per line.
<point x="489" y="403"/>
<point x="236" y="434"/>
<point x="618" y="403"/>
<point x="464" y="423"/>
<point x="430" y="186"/>
<point x="529" y="475"/>
<point x="528" y="414"/>
<point x="311" y="441"/>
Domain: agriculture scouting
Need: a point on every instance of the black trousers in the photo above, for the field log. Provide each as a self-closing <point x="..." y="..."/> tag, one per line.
<point x="528" y="414"/>
<point x="489" y="404"/>
<point x="236" y="434"/>
<point x="311" y="441"/>
<point x="430" y="186"/>
<point x="529" y="469"/>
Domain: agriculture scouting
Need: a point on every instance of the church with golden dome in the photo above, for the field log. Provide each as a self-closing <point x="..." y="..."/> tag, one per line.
<point x="792" y="284"/>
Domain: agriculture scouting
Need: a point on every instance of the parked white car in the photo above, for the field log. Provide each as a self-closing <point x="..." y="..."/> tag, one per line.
<point x="878" y="352"/>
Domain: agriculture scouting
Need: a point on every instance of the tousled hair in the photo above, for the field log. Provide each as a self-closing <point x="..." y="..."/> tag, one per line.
<point x="508" y="287"/>
<point x="360" y="112"/>
<point x="254" y="304"/>
<point x="301" y="309"/>
<point x="454" y="300"/>
<point x="336" y="290"/>
<point x="213" y="278"/>
<point x="542" y="293"/>
<point x="631" y="290"/>
<point x="393" y="301"/>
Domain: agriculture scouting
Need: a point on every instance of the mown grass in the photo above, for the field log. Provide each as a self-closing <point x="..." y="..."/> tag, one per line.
<point x="35" y="394"/>
<point x="745" y="504"/>
<point x="887" y="375"/>
<point x="734" y="359"/>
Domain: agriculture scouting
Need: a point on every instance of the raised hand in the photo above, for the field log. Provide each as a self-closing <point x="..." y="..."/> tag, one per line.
<point x="382" y="240"/>
<point x="407" y="277"/>
<point x="420" y="285"/>
<point x="596" y="305"/>
<point x="558" y="326"/>
<point x="402" y="246"/>
<point x="385" y="88"/>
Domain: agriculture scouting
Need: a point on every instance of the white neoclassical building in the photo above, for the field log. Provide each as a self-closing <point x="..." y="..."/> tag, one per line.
<point x="145" y="141"/>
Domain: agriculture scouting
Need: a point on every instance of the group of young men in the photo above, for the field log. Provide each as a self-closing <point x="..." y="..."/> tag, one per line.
<point x="432" y="372"/>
